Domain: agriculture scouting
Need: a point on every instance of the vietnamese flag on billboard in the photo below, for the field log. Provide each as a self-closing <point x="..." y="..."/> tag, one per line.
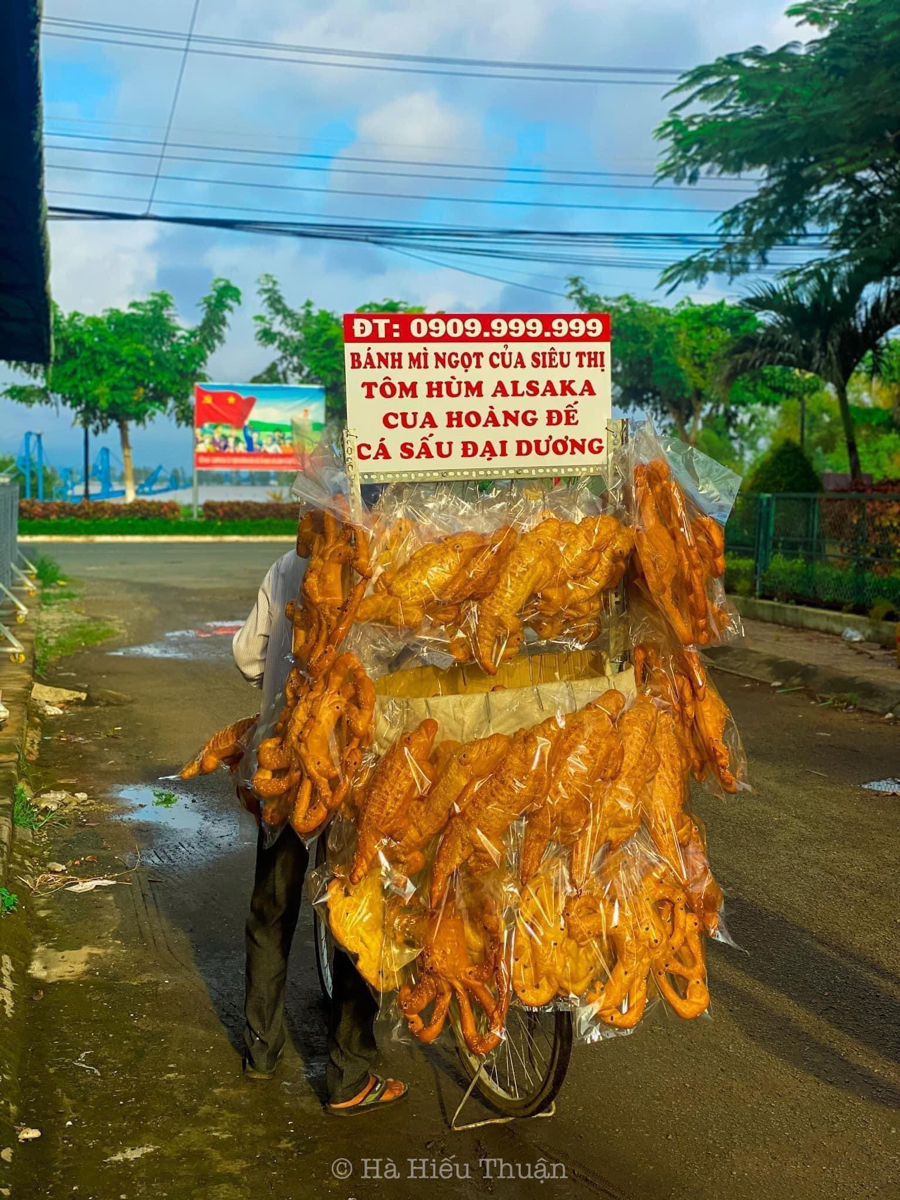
<point x="221" y="407"/>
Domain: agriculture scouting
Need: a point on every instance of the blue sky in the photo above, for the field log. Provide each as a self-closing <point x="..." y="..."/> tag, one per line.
<point x="95" y="92"/>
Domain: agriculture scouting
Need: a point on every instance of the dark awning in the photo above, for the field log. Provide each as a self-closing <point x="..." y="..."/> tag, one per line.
<point x="24" y="250"/>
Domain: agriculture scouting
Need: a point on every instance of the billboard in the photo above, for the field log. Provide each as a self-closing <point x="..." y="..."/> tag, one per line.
<point x="478" y="395"/>
<point x="255" y="427"/>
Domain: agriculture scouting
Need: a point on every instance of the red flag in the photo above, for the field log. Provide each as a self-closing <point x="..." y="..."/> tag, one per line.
<point x="221" y="408"/>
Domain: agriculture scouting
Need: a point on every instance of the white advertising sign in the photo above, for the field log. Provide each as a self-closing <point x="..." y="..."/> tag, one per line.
<point x="478" y="396"/>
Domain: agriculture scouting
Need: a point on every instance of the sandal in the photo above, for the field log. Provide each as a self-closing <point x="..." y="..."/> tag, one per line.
<point x="372" y="1099"/>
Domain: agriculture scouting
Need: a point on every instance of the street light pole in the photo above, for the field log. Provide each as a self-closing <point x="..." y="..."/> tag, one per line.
<point x="87" y="464"/>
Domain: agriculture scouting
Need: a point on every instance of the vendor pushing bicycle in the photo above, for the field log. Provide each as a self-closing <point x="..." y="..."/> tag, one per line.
<point x="261" y="649"/>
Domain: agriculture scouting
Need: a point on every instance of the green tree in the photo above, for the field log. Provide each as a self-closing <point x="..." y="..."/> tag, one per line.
<point x="309" y="343"/>
<point x="824" y="323"/>
<point x="878" y="439"/>
<point x="785" y="468"/>
<point x="669" y="361"/>
<point x="818" y="128"/>
<point x="125" y="366"/>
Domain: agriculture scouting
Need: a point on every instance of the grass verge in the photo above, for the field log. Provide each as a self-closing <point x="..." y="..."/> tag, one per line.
<point x="25" y="815"/>
<point x="68" y="638"/>
<point x="63" y="627"/>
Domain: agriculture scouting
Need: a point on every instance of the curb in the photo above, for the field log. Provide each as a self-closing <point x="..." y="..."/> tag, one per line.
<point x="35" y="538"/>
<point x="768" y="668"/>
<point x="821" y="620"/>
<point x="15" y="684"/>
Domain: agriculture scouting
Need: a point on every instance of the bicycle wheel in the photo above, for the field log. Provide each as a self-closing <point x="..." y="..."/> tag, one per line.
<point x="321" y="932"/>
<point x="522" y="1077"/>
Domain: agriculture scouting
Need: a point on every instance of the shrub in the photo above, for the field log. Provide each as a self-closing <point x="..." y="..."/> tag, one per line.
<point x="831" y="586"/>
<point x="784" y="469"/>
<point x="740" y="576"/>
<point x="98" y="510"/>
<point x="250" y="510"/>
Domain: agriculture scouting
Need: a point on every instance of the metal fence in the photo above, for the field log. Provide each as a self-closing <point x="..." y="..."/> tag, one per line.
<point x="838" y="550"/>
<point x="9" y="529"/>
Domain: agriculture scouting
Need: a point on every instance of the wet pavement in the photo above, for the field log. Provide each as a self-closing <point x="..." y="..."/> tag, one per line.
<point x="133" y="1071"/>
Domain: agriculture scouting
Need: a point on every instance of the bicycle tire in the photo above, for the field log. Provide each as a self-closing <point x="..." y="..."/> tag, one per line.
<point x="543" y="1091"/>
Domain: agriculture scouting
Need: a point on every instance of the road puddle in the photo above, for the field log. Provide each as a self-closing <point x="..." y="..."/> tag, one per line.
<point x="159" y="805"/>
<point x="209" y="640"/>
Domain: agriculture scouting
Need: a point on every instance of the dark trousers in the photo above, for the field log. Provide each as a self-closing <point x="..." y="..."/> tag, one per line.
<point x="274" y="907"/>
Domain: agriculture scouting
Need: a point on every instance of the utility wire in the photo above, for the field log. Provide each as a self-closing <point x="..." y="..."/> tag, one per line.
<point x="174" y="105"/>
<point x="257" y="135"/>
<point x="393" y="56"/>
<point x="336" y="164"/>
<point x="503" y="244"/>
<point x="474" y="233"/>
<point x="350" y="66"/>
<point x="340" y="157"/>
<point x="332" y="191"/>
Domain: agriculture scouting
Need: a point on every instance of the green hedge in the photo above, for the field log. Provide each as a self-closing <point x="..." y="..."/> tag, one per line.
<point x="125" y="525"/>
<point x="815" y="583"/>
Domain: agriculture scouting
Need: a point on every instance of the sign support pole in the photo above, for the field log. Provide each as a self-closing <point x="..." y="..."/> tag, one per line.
<point x="352" y="468"/>
<point x="196" y="492"/>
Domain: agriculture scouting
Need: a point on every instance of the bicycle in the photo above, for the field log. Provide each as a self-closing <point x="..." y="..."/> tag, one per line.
<point x="523" y="1076"/>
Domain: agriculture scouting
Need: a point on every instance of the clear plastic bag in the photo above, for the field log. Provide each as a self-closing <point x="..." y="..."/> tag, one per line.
<point x="678" y="678"/>
<point x="467" y="575"/>
<point x="678" y="501"/>
<point x="655" y="943"/>
<point x="312" y="733"/>
<point x="379" y="924"/>
<point x="466" y="958"/>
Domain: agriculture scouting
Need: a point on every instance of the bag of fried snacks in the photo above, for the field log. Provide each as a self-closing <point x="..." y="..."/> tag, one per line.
<point x="678" y="501"/>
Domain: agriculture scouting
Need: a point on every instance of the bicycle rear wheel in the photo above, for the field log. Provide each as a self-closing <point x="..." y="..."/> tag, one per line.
<point x="522" y="1077"/>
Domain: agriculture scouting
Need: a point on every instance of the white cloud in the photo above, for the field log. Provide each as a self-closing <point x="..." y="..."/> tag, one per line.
<point x="419" y="119"/>
<point x="97" y="265"/>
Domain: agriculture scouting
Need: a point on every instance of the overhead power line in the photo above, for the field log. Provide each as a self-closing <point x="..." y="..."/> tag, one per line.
<point x="174" y="104"/>
<point x="333" y="191"/>
<point x="257" y="136"/>
<point x="338" y="156"/>
<point x="494" y="64"/>
<point x="475" y="233"/>
<point x="247" y="55"/>
<point x="336" y="163"/>
<point x="499" y="242"/>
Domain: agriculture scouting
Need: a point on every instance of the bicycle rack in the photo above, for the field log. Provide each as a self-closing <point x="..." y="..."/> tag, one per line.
<point x="24" y="580"/>
<point x="18" y="650"/>
<point x="549" y="1112"/>
<point x="21" y="610"/>
<point x="29" y="565"/>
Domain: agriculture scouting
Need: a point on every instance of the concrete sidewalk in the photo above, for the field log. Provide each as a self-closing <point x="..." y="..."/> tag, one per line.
<point x="865" y="673"/>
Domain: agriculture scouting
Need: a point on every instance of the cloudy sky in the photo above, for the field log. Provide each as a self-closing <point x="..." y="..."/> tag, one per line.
<point x="257" y="117"/>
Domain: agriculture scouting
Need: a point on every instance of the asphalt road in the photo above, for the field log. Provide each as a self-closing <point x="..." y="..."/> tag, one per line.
<point x="790" y="1090"/>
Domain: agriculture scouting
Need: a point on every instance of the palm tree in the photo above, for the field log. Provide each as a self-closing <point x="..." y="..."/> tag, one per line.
<point x="823" y="322"/>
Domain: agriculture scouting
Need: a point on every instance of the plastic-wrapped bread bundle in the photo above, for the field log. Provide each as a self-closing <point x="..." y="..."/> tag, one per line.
<point x="614" y="814"/>
<point x="487" y="807"/>
<point x="465" y="957"/>
<point x="710" y="737"/>
<point x="312" y="735"/>
<point x="641" y="912"/>
<point x="224" y="749"/>
<point x="679" y="501"/>
<point x="586" y="753"/>
<point x="549" y="965"/>
<point x="387" y="795"/>
<point x="379" y="924"/>
<point x="465" y="575"/>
